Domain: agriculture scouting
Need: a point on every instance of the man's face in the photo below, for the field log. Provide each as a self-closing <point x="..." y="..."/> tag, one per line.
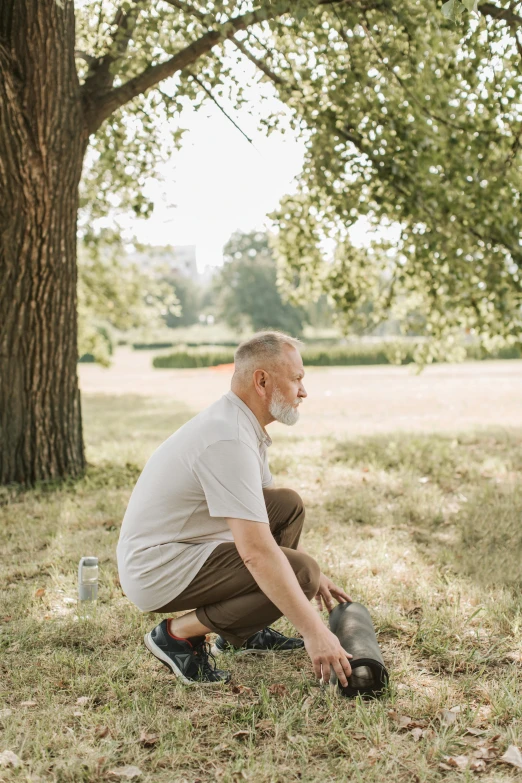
<point x="287" y="390"/>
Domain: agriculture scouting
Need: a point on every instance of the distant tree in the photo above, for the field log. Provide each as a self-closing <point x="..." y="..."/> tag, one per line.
<point x="189" y="295"/>
<point x="116" y="294"/>
<point x="246" y="287"/>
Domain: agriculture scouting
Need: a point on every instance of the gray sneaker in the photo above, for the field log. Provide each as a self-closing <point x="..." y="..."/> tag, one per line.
<point x="189" y="660"/>
<point x="265" y="641"/>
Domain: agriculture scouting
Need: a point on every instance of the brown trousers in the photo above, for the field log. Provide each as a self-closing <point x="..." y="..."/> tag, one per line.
<point x="224" y="593"/>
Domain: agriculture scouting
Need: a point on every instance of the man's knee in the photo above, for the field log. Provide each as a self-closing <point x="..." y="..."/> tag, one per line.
<point x="308" y="575"/>
<point x="289" y="499"/>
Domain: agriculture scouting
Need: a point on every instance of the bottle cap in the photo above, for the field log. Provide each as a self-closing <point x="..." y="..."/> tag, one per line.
<point x="89" y="561"/>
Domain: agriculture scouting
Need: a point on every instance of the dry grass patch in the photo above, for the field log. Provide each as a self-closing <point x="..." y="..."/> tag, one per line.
<point x="424" y="530"/>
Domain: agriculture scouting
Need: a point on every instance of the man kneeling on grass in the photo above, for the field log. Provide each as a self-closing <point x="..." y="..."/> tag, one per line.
<point x="206" y="530"/>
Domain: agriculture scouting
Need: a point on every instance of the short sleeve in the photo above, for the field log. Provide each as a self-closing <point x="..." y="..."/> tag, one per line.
<point x="230" y="473"/>
<point x="267" y="479"/>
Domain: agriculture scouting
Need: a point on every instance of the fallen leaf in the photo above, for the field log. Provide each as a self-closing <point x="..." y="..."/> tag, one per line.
<point x="242" y="689"/>
<point x="28" y="704"/>
<point x="40" y="592"/>
<point x="9" y="759"/>
<point x="485" y="753"/>
<point x="264" y="725"/>
<point x="458" y="762"/>
<point x="148" y="740"/>
<point x="241" y="735"/>
<point x="5" y="713"/>
<point x="126" y="773"/>
<point x="416" y="734"/>
<point x="477" y="765"/>
<point x="278" y="689"/>
<point x="512" y="756"/>
<point x="81" y="701"/>
<point x="100" y="732"/>
<point x="475" y="732"/>
<point x="402" y="721"/>
<point x="447" y="717"/>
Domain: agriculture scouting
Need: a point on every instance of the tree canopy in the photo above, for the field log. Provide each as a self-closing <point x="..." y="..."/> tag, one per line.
<point x="418" y="125"/>
<point x="412" y="118"/>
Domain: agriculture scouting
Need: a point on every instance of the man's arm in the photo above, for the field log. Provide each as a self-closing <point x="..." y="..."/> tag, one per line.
<point x="275" y="577"/>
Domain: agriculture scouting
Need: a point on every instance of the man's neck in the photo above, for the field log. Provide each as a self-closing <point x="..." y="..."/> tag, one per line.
<point x="255" y="405"/>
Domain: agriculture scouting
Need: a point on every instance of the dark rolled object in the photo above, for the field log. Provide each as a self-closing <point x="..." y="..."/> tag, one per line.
<point x="352" y="624"/>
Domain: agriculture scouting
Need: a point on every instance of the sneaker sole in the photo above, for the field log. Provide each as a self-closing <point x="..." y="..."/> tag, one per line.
<point x="169" y="663"/>
<point x="216" y="651"/>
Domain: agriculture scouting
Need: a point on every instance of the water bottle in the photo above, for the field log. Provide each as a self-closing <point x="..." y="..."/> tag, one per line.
<point x="87" y="587"/>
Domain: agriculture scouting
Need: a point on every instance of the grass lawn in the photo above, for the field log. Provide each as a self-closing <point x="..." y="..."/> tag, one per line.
<point x="424" y="529"/>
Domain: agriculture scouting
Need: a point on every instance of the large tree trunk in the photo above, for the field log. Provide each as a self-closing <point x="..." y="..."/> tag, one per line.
<point x="42" y="144"/>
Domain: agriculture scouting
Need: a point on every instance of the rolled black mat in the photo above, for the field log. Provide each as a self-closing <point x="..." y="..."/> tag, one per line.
<point x="352" y="624"/>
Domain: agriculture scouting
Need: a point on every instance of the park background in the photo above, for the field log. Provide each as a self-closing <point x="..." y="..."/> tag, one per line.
<point x="346" y="172"/>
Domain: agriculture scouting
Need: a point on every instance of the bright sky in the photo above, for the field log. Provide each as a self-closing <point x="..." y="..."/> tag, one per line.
<point x="218" y="183"/>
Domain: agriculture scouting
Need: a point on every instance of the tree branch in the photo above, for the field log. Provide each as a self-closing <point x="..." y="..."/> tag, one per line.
<point x="221" y="109"/>
<point x="192" y="11"/>
<point x="100" y="77"/>
<point x="259" y="63"/>
<point x="98" y="111"/>
<point x="495" y="12"/>
<point x="187" y="9"/>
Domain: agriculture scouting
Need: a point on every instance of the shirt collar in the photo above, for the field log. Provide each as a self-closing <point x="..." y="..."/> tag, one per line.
<point x="262" y="435"/>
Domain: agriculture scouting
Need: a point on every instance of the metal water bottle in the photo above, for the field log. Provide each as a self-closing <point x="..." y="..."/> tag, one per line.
<point x="87" y="587"/>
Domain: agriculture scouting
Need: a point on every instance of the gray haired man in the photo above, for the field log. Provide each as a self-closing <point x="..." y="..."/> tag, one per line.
<point x="206" y="530"/>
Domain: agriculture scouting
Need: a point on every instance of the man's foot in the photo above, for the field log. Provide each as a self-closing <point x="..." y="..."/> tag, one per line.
<point x="265" y="641"/>
<point x="188" y="659"/>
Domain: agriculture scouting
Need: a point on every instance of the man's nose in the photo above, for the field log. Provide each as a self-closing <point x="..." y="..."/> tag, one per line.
<point x="303" y="392"/>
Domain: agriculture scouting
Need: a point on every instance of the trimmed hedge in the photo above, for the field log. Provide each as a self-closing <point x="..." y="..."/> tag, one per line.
<point x="338" y="356"/>
<point x="318" y="357"/>
<point x="193" y="358"/>
<point x="158" y="346"/>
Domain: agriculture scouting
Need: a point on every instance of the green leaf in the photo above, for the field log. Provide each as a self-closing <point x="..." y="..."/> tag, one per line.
<point x="470" y="5"/>
<point x="448" y="10"/>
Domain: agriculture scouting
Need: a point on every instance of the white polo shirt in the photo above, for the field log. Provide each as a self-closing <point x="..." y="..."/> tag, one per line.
<point x="213" y="467"/>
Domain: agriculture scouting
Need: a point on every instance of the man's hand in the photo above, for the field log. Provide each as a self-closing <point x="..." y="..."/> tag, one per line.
<point x="327" y="592"/>
<point x="325" y="651"/>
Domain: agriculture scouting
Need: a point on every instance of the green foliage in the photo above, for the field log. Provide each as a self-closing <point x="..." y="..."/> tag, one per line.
<point x="359" y="353"/>
<point x="194" y="358"/>
<point x="411" y="120"/>
<point x="115" y="294"/>
<point x="189" y="296"/>
<point x="417" y="127"/>
<point x="246" y="288"/>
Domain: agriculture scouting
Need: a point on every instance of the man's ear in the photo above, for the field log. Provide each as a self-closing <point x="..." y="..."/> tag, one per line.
<point x="260" y="378"/>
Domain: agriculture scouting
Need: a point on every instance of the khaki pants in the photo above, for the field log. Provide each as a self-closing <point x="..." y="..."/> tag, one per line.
<point x="224" y="593"/>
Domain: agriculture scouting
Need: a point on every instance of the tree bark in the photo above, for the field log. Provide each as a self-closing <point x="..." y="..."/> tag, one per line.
<point x="43" y="140"/>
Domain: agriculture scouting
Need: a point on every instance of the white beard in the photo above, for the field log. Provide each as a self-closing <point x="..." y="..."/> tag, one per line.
<point x="283" y="411"/>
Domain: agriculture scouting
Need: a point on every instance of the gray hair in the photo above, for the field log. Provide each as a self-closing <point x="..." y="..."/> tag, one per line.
<point x="261" y="347"/>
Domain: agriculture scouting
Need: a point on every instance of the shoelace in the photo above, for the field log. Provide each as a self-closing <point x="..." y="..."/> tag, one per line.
<point x="271" y="633"/>
<point x="202" y="652"/>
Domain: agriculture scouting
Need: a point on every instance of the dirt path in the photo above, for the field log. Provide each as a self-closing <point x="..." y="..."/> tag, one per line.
<point x="344" y="400"/>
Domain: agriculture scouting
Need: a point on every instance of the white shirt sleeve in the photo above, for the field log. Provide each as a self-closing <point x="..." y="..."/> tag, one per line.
<point x="231" y="475"/>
